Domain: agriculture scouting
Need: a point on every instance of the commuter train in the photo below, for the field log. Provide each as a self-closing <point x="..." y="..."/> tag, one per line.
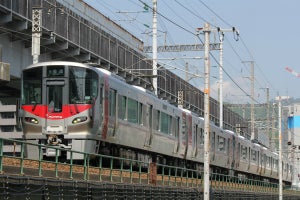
<point x="86" y="108"/>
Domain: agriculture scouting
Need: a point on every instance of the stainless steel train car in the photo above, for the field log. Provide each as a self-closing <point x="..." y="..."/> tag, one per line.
<point x="86" y="108"/>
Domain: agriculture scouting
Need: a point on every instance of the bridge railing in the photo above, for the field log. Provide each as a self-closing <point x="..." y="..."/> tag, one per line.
<point x="98" y="167"/>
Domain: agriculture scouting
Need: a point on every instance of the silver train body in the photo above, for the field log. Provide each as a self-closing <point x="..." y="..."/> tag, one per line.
<point x="115" y="118"/>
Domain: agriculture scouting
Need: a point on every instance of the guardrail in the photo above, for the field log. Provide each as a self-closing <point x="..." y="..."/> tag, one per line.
<point x="98" y="167"/>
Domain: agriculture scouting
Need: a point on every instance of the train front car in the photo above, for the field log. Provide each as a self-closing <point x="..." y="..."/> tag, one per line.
<point x="57" y="107"/>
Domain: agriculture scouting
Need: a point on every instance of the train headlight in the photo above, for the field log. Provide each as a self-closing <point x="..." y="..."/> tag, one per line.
<point x="79" y="120"/>
<point x="31" y="120"/>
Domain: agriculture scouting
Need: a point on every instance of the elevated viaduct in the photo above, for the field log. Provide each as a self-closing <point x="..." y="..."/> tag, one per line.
<point x="73" y="30"/>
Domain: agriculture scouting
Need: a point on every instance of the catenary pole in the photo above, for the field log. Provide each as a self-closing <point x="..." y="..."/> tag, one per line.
<point x="154" y="46"/>
<point x="221" y="37"/>
<point x="206" y="31"/>
<point x="221" y="81"/>
<point x="280" y="148"/>
<point x="36" y="33"/>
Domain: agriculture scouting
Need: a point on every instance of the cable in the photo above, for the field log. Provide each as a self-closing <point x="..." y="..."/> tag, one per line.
<point x="189" y="10"/>
<point x="231" y="77"/>
<point x="174" y="23"/>
<point x="215" y="14"/>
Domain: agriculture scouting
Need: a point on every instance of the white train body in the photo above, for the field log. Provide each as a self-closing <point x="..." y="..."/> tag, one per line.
<point x="116" y="118"/>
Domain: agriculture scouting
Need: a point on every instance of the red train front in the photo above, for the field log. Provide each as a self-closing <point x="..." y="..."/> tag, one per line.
<point x="57" y="106"/>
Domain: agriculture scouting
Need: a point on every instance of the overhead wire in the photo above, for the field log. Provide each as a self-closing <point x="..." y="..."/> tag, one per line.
<point x="241" y="39"/>
<point x="187" y="30"/>
<point x="218" y="16"/>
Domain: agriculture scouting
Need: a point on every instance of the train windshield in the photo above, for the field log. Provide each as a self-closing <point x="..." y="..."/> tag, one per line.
<point x="32" y="86"/>
<point x="83" y="85"/>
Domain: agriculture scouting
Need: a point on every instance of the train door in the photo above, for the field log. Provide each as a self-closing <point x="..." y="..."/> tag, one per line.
<point x="184" y="135"/>
<point x="55" y="99"/>
<point x="233" y="150"/>
<point x="213" y="146"/>
<point x="238" y="154"/>
<point x="231" y="157"/>
<point x="249" y="157"/>
<point x="196" y="140"/>
<point x="148" y="140"/>
<point x="176" y="130"/>
<point x="229" y="148"/>
<point x="112" y="109"/>
<point x="258" y="162"/>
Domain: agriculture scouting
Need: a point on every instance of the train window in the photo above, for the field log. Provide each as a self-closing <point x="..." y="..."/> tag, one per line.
<point x="275" y="164"/>
<point x="175" y="126"/>
<point x="140" y="114"/>
<point x="112" y="102"/>
<point x="221" y="143"/>
<point x="244" y="152"/>
<point x="228" y="144"/>
<point x="285" y="167"/>
<point x="144" y="115"/>
<point x="156" y="118"/>
<point x="213" y="139"/>
<point x="201" y="136"/>
<point x="253" y="155"/>
<point x="132" y="111"/>
<point x="55" y="71"/>
<point x="122" y="107"/>
<point x="83" y="85"/>
<point x="263" y="160"/>
<point x="101" y="95"/>
<point x="183" y="125"/>
<point x="32" y="86"/>
<point x="55" y="93"/>
<point x="269" y="162"/>
<point x="165" y="123"/>
<point x="239" y="150"/>
<point x="195" y="134"/>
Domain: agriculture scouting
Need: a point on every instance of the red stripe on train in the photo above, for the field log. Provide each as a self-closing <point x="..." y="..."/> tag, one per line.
<point x="67" y="110"/>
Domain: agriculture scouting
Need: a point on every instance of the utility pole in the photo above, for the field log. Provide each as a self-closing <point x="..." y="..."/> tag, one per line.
<point x="280" y="148"/>
<point x="279" y="99"/>
<point x="206" y="31"/>
<point x="154" y="48"/>
<point x="36" y="33"/>
<point x="273" y="143"/>
<point x="221" y="33"/>
<point x="268" y="129"/>
<point x="221" y="80"/>
<point x="268" y="111"/>
<point x="252" y="98"/>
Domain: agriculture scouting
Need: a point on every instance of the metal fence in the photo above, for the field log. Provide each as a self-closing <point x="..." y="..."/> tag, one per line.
<point x="109" y="169"/>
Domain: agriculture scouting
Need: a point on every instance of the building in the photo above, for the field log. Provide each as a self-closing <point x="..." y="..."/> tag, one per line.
<point x="9" y="128"/>
<point x="292" y="146"/>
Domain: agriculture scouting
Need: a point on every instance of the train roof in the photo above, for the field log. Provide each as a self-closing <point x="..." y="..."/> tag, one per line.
<point x="50" y="63"/>
<point x="229" y="131"/>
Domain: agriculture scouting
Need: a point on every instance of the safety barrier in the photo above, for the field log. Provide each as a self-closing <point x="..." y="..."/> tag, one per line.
<point x="105" y="168"/>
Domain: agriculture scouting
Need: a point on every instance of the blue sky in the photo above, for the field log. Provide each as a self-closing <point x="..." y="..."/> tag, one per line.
<point x="269" y="35"/>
